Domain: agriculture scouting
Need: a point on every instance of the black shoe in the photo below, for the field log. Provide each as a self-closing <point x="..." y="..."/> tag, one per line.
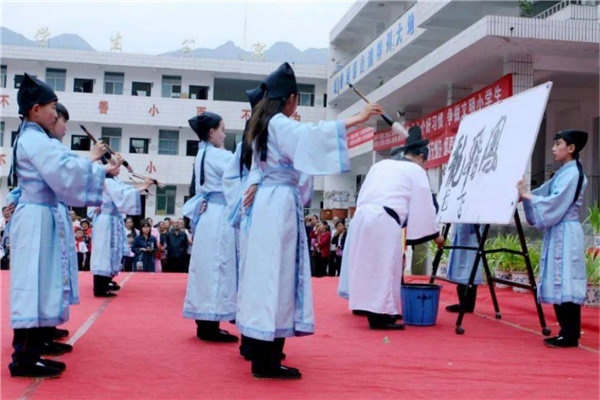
<point x="114" y="287"/>
<point x="56" y="348"/>
<point x="106" y="294"/>
<point x="60" y="333"/>
<point x="390" y="327"/>
<point x="551" y="339"/>
<point x="221" y="337"/>
<point x="281" y="373"/>
<point x="455" y="308"/>
<point x="398" y="317"/>
<point x="562" y="342"/>
<point x="33" y="371"/>
<point x="360" y="313"/>
<point x="61" y="366"/>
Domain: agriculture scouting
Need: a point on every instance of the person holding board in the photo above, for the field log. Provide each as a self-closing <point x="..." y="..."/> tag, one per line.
<point x="555" y="207"/>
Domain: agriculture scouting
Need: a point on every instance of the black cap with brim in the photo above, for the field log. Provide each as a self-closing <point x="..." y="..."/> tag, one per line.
<point x="414" y="141"/>
<point x="573" y="136"/>
<point x="281" y="83"/>
<point x="33" y="91"/>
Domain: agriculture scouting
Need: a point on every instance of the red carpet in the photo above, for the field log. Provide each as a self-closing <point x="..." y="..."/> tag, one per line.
<point x="140" y="347"/>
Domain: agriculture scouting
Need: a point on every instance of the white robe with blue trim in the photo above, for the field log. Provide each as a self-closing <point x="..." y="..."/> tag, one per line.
<point x="562" y="261"/>
<point x="373" y="254"/>
<point x="275" y="298"/>
<point x="109" y="237"/>
<point x="211" y="293"/>
<point x="48" y="173"/>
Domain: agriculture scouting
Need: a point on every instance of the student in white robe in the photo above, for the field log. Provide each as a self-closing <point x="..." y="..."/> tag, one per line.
<point x="395" y="194"/>
<point x="275" y="299"/>
<point x="47" y="173"/>
<point x="211" y="295"/>
<point x="460" y="266"/>
<point x="109" y="236"/>
<point x="554" y="207"/>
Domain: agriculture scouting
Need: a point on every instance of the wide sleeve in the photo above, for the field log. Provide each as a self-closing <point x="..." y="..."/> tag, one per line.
<point x="306" y="186"/>
<point x="14" y="196"/>
<point x="422" y="224"/>
<point x="126" y="197"/>
<point x="76" y="180"/>
<point x="543" y="190"/>
<point x="315" y="149"/>
<point x="547" y="208"/>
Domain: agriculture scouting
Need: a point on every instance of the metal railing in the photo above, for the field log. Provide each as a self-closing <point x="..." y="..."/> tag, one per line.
<point x="564" y="4"/>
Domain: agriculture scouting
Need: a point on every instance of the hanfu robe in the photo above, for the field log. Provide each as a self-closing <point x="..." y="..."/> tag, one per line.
<point x="211" y="293"/>
<point x="13" y="198"/>
<point x="460" y="262"/>
<point x="48" y="173"/>
<point x="374" y="248"/>
<point x="275" y="296"/>
<point x="109" y="236"/>
<point x="562" y="260"/>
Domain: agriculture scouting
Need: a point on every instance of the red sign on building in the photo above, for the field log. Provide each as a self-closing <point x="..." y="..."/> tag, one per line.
<point x="150" y="168"/>
<point x="4" y="100"/>
<point x="360" y="136"/>
<point x="441" y="126"/>
<point x="2" y="159"/>
<point x="153" y="110"/>
<point x="103" y="107"/>
<point x="200" y="110"/>
<point x="245" y="115"/>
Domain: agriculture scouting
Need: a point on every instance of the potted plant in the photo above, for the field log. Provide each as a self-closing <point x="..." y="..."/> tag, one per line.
<point x="497" y="263"/>
<point x="594" y="220"/>
<point x="431" y="251"/>
<point x="592" y="266"/>
<point x="519" y="269"/>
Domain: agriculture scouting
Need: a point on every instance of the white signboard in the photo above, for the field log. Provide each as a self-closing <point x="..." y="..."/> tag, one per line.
<point x="490" y="155"/>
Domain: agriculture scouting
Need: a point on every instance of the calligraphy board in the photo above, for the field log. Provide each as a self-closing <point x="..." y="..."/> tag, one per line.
<point x="490" y="155"/>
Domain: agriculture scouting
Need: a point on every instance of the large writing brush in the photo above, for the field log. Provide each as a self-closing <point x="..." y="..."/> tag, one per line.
<point x="109" y="152"/>
<point x="397" y="127"/>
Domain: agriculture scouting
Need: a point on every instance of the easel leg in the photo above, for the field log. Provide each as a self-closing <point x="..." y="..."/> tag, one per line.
<point x="480" y="252"/>
<point x="545" y="330"/>
<point x="488" y="274"/>
<point x="438" y="254"/>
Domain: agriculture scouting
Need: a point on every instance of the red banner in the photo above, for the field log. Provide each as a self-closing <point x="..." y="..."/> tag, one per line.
<point x="360" y="136"/>
<point x="441" y="126"/>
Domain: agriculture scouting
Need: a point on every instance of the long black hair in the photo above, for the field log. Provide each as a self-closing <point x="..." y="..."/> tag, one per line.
<point x="258" y="131"/>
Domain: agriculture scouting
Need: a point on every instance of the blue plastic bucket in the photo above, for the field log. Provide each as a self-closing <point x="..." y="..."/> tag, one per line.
<point x="420" y="303"/>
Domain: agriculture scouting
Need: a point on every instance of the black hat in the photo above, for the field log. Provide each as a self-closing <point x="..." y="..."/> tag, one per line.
<point x="255" y="95"/>
<point x="414" y="142"/>
<point x="281" y="83"/>
<point x="33" y="91"/>
<point x="573" y="136"/>
<point x="203" y="123"/>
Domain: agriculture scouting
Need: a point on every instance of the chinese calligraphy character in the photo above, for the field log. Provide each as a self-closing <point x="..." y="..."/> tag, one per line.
<point x="472" y="106"/>
<point x="463" y="106"/>
<point x="348" y="75"/>
<point x="370" y="58"/>
<point x="115" y="42"/>
<point x="362" y="64"/>
<point x="389" y="45"/>
<point x="246" y="115"/>
<point x="399" y="34"/>
<point x="186" y="45"/>
<point x="479" y="102"/>
<point x="153" y="110"/>
<point x="341" y="80"/>
<point x="200" y="110"/>
<point x="103" y="107"/>
<point x="434" y="122"/>
<point x="354" y="69"/>
<point x="490" y="155"/>
<point x="2" y="159"/>
<point x="469" y="170"/>
<point x="498" y="93"/>
<point x="259" y="50"/>
<point x="427" y="125"/>
<point x="441" y="120"/>
<point x="150" y="168"/>
<point x="335" y="86"/>
<point x="456" y="114"/>
<point x="488" y="97"/>
<point x="4" y="100"/>
<point x="41" y="36"/>
<point x="379" y="49"/>
<point x="411" y="23"/>
<point x="450" y="116"/>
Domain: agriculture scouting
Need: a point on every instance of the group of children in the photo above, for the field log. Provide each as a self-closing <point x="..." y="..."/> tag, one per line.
<point x="252" y="266"/>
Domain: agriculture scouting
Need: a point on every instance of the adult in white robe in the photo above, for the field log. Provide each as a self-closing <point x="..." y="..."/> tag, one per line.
<point x="395" y="194"/>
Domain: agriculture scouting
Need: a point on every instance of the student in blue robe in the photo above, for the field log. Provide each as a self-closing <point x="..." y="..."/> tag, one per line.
<point x="47" y="173"/>
<point x="460" y="265"/>
<point x="554" y="208"/>
<point x="211" y="295"/>
<point x="275" y="299"/>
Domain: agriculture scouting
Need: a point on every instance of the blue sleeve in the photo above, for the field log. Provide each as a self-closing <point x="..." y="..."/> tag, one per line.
<point x="548" y="208"/>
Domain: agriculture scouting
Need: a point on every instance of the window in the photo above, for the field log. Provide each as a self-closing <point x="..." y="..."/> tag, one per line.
<point x="80" y="143"/>
<point x="19" y="79"/>
<point x="168" y="142"/>
<point x="113" y="82"/>
<point x="191" y="148"/>
<point x="138" y="146"/>
<point x="112" y="137"/>
<point x="171" y="86"/>
<point x="1" y="133"/>
<point x="306" y="99"/>
<point x="165" y="200"/>
<point x="143" y="89"/>
<point x="3" y="76"/>
<point x="83" y="85"/>
<point x="198" y="92"/>
<point x="56" y="79"/>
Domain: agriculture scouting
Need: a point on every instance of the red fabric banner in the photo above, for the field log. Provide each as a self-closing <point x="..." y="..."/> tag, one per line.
<point x="360" y="136"/>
